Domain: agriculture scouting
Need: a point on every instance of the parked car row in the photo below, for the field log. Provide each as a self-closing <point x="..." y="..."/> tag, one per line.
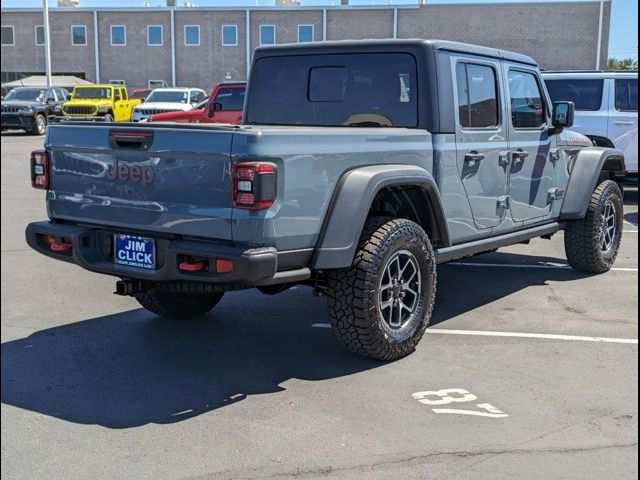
<point x="32" y="109"/>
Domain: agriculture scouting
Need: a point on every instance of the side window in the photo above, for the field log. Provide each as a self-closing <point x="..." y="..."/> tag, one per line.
<point x="125" y="94"/>
<point x="478" y="105"/>
<point x="527" y="106"/>
<point x="196" y="96"/>
<point x="627" y="95"/>
<point x="585" y="94"/>
<point x="117" y="95"/>
<point x="230" y="98"/>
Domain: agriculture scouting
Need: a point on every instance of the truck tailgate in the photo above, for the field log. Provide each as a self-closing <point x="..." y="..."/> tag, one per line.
<point x="142" y="178"/>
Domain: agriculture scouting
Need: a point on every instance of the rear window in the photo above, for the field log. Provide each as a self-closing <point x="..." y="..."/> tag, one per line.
<point x="586" y="94"/>
<point x="363" y="90"/>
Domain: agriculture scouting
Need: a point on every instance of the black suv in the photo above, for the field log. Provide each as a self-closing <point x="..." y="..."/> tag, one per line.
<point x="28" y="108"/>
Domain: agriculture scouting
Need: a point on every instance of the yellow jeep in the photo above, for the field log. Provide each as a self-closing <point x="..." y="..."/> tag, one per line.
<point x="99" y="103"/>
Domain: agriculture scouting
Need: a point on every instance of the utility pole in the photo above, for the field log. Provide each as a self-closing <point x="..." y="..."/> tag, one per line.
<point x="47" y="43"/>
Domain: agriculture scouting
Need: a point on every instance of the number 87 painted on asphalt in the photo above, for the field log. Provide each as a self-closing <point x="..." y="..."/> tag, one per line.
<point x="457" y="395"/>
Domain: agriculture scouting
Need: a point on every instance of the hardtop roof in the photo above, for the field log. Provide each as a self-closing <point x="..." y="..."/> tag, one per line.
<point x="365" y="46"/>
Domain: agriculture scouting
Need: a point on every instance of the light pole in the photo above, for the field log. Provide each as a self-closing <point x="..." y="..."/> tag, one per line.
<point x="47" y="43"/>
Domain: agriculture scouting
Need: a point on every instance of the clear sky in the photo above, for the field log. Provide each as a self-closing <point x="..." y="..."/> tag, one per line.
<point x="623" y="41"/>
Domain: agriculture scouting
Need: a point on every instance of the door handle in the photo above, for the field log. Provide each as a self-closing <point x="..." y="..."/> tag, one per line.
<point x="474" y="156"/>
<point x="519" y="154"/>
<point x="624" y="122"/>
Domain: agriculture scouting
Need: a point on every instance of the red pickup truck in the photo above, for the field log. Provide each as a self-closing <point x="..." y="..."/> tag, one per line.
<point x="223" y="106"/>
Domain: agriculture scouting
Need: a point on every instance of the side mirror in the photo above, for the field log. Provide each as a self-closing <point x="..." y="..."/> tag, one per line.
<point x="69" y="97"/>
<point x="214" y="107"/>
<point x="563" y="115"/>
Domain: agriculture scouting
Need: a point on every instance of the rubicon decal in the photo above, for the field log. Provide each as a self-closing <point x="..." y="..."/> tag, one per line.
<point x="134" y="173"/>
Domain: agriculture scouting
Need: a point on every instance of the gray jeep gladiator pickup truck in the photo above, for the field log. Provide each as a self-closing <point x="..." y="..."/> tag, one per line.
<point x="360" y="167"/>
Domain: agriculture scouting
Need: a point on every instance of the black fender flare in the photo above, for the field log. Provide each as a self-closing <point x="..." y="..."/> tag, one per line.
<point x="350" y="205"/>
<point x="586" y="172"/>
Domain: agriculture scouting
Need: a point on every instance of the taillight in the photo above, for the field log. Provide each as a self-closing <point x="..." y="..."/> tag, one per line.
<point x="254" y="185"/>
<point x="40" y="169"/>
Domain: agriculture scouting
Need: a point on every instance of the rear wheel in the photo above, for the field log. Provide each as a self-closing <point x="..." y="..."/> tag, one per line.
<point x="39" y="125"/>
<point x="381" y="305"/>
<point x="178" y="305"/>
<point x="592" y="243"/>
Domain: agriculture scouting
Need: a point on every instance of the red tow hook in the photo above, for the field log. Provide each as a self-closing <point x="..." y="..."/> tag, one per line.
<point x="60" y="247"/>
<point x="191" y="267"/>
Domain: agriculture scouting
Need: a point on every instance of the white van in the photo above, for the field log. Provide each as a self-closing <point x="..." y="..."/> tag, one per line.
<point x="606" y="107"/>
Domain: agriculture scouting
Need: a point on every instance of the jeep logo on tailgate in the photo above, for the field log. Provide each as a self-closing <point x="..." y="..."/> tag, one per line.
<point x="135" y="173"/>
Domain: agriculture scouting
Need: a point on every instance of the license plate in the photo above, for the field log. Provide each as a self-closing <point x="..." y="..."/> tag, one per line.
<point x="134" y="251"/>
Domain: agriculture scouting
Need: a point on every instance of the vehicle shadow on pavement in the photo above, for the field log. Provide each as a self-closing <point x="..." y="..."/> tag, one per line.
<point x="132" y="368"/>
<point x="462" y="289"/>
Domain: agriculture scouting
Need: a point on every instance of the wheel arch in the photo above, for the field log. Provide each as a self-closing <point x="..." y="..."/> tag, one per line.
<point x="393" y="190"/>
<point x="591" y="166"/>
<point x="601" y="141"/>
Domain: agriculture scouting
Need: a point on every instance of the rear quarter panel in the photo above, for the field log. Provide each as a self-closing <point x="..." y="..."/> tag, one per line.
<point x="310" y="162"/>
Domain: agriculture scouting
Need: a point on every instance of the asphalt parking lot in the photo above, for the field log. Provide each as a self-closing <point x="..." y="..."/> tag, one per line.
<point x="95" y="387"/>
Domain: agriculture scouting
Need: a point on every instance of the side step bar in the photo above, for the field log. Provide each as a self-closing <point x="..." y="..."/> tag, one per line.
<point x="457" y="252"/>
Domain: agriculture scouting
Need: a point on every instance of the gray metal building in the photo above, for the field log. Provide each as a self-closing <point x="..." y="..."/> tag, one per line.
<point x="202" y="46"/>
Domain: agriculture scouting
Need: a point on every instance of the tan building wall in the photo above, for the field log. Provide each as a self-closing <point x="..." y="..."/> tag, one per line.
<point x="211" y="62"/>
<point x="556" y="34"/>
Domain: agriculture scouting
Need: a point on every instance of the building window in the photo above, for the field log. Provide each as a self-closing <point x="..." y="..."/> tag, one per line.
<point x="267" y="34"/>
<point x="39" y="35"/>
<point x="78" y="35"/>
<point x="192" y="35"/>
<point x="230" y="35"/>
<point x="118" y="35"/>
<point x="154" y="35"/>
<point x="7" y="36"/>
<point x="305" y="33"/>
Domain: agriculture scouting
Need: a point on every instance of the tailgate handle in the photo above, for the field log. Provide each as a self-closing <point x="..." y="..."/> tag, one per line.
<point x="130" y="139"/>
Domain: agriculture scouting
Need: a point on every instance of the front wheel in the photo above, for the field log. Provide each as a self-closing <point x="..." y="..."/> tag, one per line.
<point x="108" y="118"/>
<point x="178" y="305"/>
<point x="39" y="125"/>
<point x="381" y="306"/>
<point x="592" y="243"/>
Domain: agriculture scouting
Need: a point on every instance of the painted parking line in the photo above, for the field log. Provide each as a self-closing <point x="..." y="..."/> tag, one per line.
<point x="528" y="265"/>
<point x="321" y="325"/>
<point x="544" y="336"/>
<point x="571" y="338"/>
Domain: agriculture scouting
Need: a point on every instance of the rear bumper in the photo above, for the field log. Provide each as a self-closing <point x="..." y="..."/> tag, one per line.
<point x="92" y="249"/>
<point x="17" y="120"/>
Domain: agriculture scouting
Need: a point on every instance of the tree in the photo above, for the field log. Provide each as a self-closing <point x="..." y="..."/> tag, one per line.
<point x="622" y="64"/>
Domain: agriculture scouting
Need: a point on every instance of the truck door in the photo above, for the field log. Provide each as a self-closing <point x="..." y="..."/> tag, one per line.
<point x="481" y="139"/>
<point x="230" y="101"/>
<point x="532" y="172"/>
<point x="623" y="120"/>
<point x="125" y="106"/>
<point x="117" y="105"/>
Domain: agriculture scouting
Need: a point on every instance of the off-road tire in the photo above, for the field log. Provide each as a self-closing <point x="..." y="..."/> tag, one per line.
<point x="581" y="239"/>
<point x="177" y="305"/>
<point x="352" y="293"/>
<point x="39" y="121"/>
